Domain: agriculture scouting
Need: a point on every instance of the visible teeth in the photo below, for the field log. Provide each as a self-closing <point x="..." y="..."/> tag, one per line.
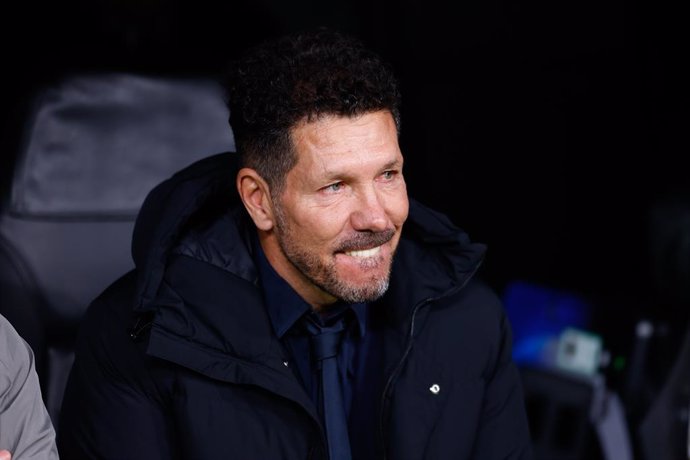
<point x="365" y="252"/>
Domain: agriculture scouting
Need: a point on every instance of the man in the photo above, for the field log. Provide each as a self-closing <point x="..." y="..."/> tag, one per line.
<point x="309" y="310"/>
<point x="26" y="431"/>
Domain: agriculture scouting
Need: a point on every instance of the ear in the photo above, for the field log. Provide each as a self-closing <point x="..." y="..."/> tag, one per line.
<point x="256" y="197"/>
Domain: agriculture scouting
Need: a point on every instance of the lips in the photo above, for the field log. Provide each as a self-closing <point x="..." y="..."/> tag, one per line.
<point x="365" y="244"/>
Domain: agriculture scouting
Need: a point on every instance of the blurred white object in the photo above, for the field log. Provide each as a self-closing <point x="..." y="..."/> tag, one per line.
<point x="579" y="351"/>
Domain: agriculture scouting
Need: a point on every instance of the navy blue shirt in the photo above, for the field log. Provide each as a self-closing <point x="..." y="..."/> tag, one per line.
<point x="357" y="360"/>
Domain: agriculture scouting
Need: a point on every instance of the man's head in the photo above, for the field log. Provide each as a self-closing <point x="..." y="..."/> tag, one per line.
<point x="279" y="83"/>
<point x="316" y="122"/>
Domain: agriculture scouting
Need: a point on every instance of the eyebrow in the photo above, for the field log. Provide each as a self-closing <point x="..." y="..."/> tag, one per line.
<point x="330" y="175"/>
<point x="397" y="163"/>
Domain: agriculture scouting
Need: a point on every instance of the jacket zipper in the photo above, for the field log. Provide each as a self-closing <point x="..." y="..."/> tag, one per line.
<point x="389" y="383"/>
<point x="388" y="388"/>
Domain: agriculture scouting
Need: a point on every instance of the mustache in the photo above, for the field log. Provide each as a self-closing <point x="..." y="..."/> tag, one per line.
<point x="365" y="240"/>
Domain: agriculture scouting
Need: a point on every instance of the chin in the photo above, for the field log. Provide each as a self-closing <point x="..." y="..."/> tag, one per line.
<point x="363" y="289"/>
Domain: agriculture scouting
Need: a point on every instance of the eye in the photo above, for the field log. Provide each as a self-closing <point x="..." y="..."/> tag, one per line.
<point x="334" y="187"/>
<point x="388" y="175"/>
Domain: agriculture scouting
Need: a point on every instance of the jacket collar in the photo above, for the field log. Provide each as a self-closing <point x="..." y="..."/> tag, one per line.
<point x="434" y="258"/>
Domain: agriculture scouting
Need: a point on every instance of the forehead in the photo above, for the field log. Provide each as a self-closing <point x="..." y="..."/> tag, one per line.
<point x="325" y="142"/>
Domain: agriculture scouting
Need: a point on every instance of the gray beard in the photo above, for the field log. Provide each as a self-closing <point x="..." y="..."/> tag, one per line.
<point x="325" y="275"/>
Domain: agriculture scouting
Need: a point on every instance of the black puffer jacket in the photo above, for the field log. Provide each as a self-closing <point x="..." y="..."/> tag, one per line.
<point x="177" y="359"/>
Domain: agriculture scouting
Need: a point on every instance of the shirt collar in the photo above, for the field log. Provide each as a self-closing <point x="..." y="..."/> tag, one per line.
<point x="284" y="306"/>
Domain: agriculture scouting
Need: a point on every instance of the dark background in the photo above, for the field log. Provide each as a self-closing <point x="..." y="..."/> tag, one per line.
<point x="549" y="130"/>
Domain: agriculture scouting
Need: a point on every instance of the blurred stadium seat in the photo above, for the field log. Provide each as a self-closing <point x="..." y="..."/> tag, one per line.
<point x="94" y="145"/>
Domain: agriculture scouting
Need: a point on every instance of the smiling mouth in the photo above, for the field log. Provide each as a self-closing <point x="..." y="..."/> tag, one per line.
<point x="364" y="253"/>
<point x="365" y="245"/>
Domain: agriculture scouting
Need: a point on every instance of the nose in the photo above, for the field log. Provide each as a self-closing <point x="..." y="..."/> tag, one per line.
<point x="369" y="213"/>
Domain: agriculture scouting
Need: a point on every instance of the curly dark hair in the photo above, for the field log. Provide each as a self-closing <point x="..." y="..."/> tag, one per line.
<point x="301" y="76"/>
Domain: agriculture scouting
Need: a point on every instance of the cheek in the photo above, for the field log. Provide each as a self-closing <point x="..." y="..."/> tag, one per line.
<point x="318" y="226"/>
<point x="399" y="209"/>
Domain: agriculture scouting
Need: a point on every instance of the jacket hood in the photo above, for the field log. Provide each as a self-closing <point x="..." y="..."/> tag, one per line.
<point x="206" y="189"/>
<point x="198" y="191"/>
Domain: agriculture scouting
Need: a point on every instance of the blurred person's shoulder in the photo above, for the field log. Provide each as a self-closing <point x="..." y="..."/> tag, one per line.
<point x="14" y="351"/>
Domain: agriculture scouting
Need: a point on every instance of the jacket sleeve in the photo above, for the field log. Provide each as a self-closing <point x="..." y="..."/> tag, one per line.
<point x="113" y="407"/>
<point x="503" y="430"/>
<point x="25" y="426"/>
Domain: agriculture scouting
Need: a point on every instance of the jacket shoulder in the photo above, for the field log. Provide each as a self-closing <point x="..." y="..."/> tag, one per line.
<point x="472" y="324"/>
<point x="114" y="389"/>
<point x="108" y="347"/>
<point x="477" y="299"/>
<point x="111" y="310"/>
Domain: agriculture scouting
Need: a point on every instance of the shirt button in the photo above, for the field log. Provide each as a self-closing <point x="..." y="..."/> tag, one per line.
<point x="435" y="388"/>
